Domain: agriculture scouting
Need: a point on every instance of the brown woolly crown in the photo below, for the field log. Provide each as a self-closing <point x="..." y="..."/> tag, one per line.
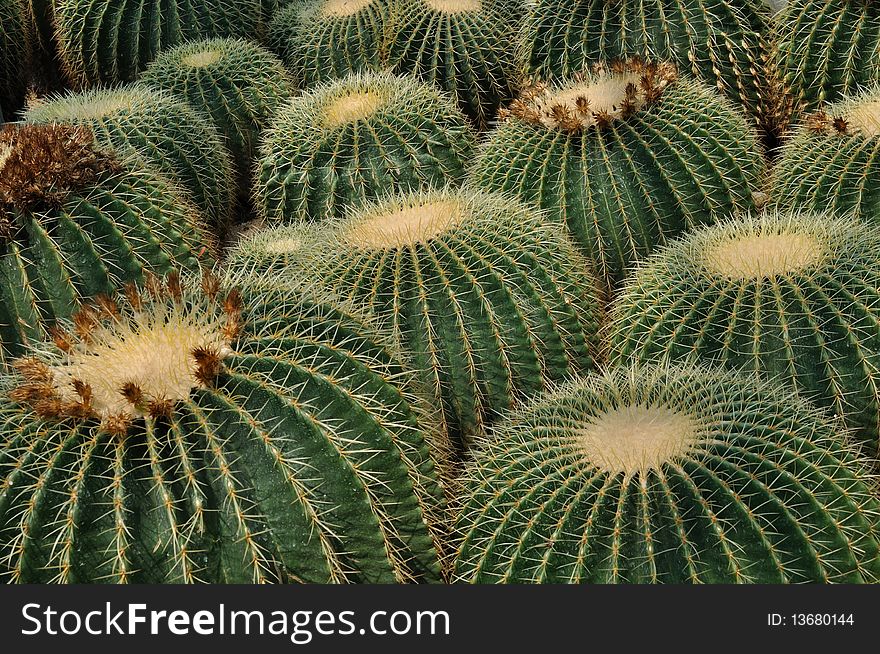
<point x="611" y="91"/>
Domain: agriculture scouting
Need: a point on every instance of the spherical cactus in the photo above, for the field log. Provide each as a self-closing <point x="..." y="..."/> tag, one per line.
<point x="236" y="82"/>
<point x="487" y="295"/>
<point x="463" y="46"/>
<point x="832" y="161"/>
<point x="13" y="57"/>
<point x="721" y="43"/>
<point x="174" y="138"/>
<point x="827" y="49"/>
<point x="322" y="40"/>
<point x="671" y="475"/>
<point x="628" y="157"/>
<point x="110" y="41"/>
<point x="189" y="434"/>
<point x="356" y="139"/>
<point x="75" y="222"/>
<point x="789" y="296"/>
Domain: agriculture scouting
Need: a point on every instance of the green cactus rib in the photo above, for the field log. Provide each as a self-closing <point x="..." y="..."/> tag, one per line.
<point x="112" y="41"/>
<point x="721" y="42"/>
<point x="14" y="45"/>
<point x="668" y="475"/>
<point x="465" y="47"/>
<point x="295" y="455"/>
<point x="832" y="160"/>
<point x="486" y="295"/>
<point x="321" y="40"/>
<point x="625" y="187"/>
<point x="163" y="129"/>
<point x="827" y="49"/>
<point x="358" y="139"/>
<point x="785" y="295"/>
<point x="236" y="82"/>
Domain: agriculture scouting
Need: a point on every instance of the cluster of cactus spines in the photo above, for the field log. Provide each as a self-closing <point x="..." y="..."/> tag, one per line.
<point x="13" y="57"/>
<point x="831" y="162"/>
<point x="487" y="295"/>
<point x="358" y="139"/>
<point x="786" y="295"/>
<point x="722" y="43"/>
<point x="827" y="50"/>
<point x="165" y="130"/>
<point x="463" y="46"/>
<point x="668" y="475"/>
<point x="77" y="221"/>
<point x="187" y="433"/>
<point x="627" y="156"/>
<point x="112" y="41"/>
<point x="236" y="82"/>
<point x="321" y="40"/>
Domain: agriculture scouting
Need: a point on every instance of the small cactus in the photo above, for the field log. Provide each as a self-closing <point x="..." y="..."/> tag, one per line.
<point x="358" y="139"/>
<point x="77" y="221"/>
<point x="186" y="433"/>
<point x="171" y="136"/>
<point x="672" y="475"/>
<point x="791" y="296"/>
<point x="627" y="156"/>
<point x="487" y="295"/>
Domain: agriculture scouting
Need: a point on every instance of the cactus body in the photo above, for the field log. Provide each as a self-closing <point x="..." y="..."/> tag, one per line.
<point x="13" y="57"/>
<point x="668" y="476"/>
<point x="169" y="134"/>
<point x="832" y="161"/>
<point x="625" y="169"/>
<point x="719" y="42"/>
<point x="193" y="435"/>
<point x="357" y="139"/>
<point x="239" y="84"/>
<point x="111" y="41"/>
<point x="462" y="46"/>
<point x="95" y="224"/>
<point x="488" y="297"/>
<point x="321" y="40"/>
<point x="783" y="295"/>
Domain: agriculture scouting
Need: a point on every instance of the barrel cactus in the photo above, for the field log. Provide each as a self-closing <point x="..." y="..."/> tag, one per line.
<point x="111" y="41"/>
<point x="236" y="82"/>
<point x="832" y="161"/>
<point x="627" y="156"/>
<point x="322" y="40"/>
<point x="184" y="433"/>
<point x="670" y="475"/>
<point x="173" y="137"/>
<point x="13" y="57"/>
<point x="77" y="221"/>
<point x="487" y="295"/>
<point x="463" y="46"/>
<point x="357" y="139"/>
<point x="791" y="296"/>
<point x="722" y="43"/>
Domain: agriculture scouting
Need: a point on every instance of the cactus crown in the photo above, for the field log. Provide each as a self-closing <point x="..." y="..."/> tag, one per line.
<point x="138" y="357"/>
<point x="352" y="107"/>
<point x="342" y="8"/>
<point x="202" y="58"/>
<point x="415" y="220"/>
<point x="41" y="165"/>
<point x="454" y="6"/>
<point x="610" y="92"/>
<point x="857" y="116"/>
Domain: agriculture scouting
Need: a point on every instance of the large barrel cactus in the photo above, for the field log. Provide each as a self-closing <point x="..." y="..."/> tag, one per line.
<point x="171" y="136"/>
<point x="186" y="433"/>
<point x="463" y="46"/>
<point x="671" y="475"/>
<point x="789" y="296"/>
<point x="357" y="139"/>
<point x="77" y="221"/>
<point x="236" y="82"/>
<point x="832" y="161"/>
<point x="627" y="157"/>
<point x="14" y="51"/>
<point x="720" y="42"/>
<point x="322" y="40"/>
<point x="487" y="295"/>
<point x="110" y="41"/>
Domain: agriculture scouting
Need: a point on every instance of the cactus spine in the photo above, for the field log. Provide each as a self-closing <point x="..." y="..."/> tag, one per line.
<point x="186" y="433"/>
<point x="13" y="57"/>
<point x="670" y="475"/>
